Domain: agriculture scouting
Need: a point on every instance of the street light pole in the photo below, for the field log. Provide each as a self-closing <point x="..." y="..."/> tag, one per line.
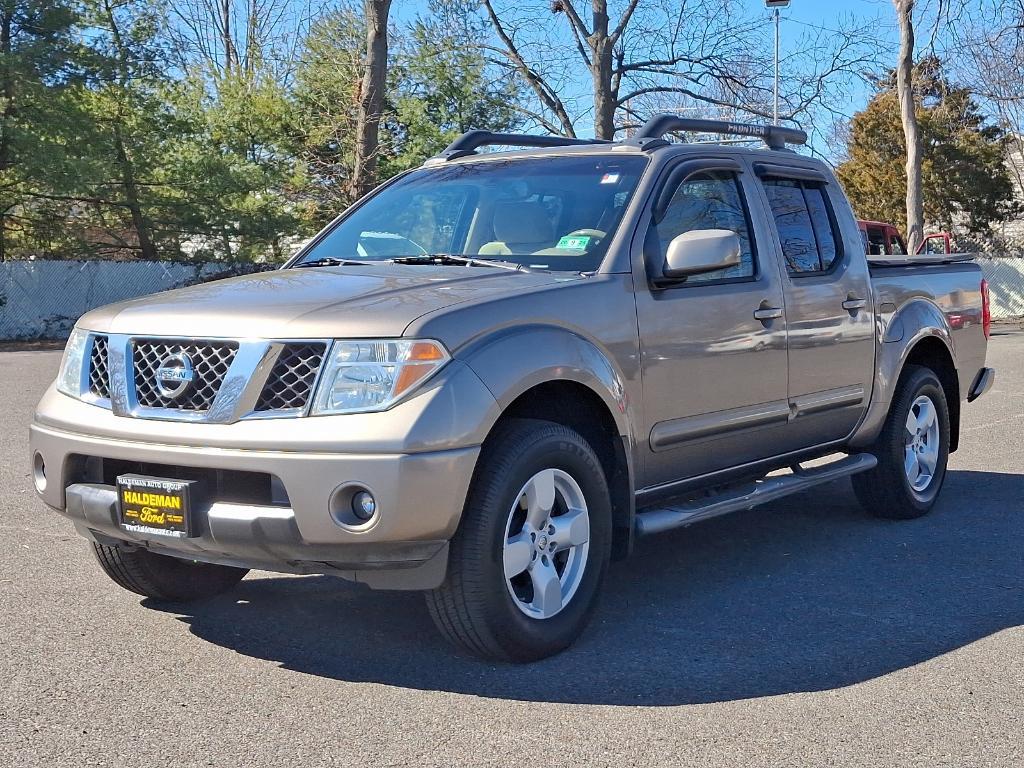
<point x="776" y="6"/>
<point x="776" y="112"/>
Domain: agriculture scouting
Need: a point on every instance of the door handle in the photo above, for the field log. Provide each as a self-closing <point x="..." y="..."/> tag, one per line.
<point x="853" y="304"/>
<point x="764" y="313"/>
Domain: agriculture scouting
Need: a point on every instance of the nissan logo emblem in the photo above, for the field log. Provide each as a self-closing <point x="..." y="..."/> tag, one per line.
<point x="174" y="375"/>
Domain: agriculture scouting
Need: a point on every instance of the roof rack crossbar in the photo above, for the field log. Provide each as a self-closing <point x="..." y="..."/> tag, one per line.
<point x="775" y="136"/>
<point x="470" y="141"/>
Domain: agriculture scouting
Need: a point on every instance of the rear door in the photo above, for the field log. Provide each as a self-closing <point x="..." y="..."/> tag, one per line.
<point x="828" y="299"/>
<point x="713" y="347"/>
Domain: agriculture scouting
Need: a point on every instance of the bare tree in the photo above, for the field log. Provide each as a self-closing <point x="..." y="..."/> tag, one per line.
<point x="908" y="115"/>
<point x="371" y="96"/>
<point x="249" y="38"/>
<point x="986" y="53"/>
<point x="697" y="54"/>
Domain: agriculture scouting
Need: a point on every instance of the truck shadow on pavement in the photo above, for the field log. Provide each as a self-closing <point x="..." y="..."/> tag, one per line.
<point x="806" y="595"/>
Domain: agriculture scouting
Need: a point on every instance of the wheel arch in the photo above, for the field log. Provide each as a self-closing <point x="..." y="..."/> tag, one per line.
<point x="551" y="373"/>
<point x="931" y="352"/>
<point x="580" y="408"/>
<point x="918" y="334"/>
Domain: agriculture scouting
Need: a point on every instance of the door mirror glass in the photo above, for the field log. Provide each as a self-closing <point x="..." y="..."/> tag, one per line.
<point x="701" y="250"/>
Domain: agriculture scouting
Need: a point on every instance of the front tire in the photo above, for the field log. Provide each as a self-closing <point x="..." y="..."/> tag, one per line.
<point x="165" y="578"/>
<point x="526" y="565"/>
<point x="912" y="450"/>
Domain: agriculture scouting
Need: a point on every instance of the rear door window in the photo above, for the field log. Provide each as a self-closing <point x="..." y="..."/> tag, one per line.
<point x="805" y="225"/>
<point x="822" y="223"/>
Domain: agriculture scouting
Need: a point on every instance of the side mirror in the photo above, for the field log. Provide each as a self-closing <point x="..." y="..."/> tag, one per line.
<point x="700" y="251"/>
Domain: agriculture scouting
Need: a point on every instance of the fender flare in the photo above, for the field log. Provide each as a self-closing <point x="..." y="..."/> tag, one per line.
<point x="913" y="322"/>
<point x="514" y="361"/>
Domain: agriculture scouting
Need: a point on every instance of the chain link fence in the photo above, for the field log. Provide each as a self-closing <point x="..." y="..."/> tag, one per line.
<point x="1005" y="275"/>
<point x="43" y="299"/>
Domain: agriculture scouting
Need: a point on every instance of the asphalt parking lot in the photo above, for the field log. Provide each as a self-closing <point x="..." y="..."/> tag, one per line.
<point x="803" y="633"/>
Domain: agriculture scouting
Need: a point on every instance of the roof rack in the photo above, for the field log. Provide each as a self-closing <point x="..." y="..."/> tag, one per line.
<point x="650" y="135"/>
<point x="470" y="141"/>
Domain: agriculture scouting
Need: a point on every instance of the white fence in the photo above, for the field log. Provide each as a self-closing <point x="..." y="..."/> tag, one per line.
<point x="43" y="299"/>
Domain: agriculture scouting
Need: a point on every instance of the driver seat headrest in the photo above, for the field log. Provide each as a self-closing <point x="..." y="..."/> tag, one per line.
<point x="522" y="223"/>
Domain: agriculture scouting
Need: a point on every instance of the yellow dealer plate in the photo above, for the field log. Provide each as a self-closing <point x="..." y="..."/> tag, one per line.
<point x="154" y="505"/>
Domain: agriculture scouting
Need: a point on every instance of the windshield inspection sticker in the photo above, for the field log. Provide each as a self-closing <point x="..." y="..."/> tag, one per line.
<point x="609" y="178"/>
<point x="578" y="243"/>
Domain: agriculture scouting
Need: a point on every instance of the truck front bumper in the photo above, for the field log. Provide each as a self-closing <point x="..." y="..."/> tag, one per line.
<point x="419" y="502"/>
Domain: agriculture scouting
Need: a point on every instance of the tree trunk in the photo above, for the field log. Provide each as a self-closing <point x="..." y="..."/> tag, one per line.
<point x="604" y="103"/>
<point x="126" y="166"/>
<point x="371" y="97"/>
<point x="601" y="73"/>
<point x="131" y="198"/>
<point x="227" y="39"/>
<point x="908" y="114"/>
<point x="6" y="114"/>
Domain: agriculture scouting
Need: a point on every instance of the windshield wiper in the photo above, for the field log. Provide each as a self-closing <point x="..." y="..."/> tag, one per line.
<point x="329" y="261"/>
<point x="454" y="258"/>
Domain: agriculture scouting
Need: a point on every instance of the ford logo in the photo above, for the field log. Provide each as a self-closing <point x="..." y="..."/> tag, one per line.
<point x="174" y="375"/>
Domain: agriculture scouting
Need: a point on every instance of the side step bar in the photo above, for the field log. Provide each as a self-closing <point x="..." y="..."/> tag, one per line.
<point x="750" y="495"/>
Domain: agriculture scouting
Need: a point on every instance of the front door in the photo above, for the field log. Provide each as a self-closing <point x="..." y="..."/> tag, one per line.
<point x="713" y="347"/>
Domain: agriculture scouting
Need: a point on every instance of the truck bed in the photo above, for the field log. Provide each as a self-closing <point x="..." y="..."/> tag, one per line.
<point x="922" y="260"/>
<point x="949" y="283"/>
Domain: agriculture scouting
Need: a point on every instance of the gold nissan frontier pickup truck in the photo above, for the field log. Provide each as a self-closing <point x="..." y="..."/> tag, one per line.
<point x="488" y="377"/>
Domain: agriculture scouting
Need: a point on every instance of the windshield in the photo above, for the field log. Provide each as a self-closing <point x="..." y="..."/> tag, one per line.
<point x="555" y="213"/>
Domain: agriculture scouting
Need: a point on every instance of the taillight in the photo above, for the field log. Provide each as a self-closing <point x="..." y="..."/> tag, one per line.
<point x="986" y="309"/>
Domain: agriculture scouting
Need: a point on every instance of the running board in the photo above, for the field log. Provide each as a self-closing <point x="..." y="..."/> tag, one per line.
<point x="749" y="495"/>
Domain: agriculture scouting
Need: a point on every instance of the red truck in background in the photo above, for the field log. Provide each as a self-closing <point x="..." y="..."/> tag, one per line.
<point x="881" y="239"/>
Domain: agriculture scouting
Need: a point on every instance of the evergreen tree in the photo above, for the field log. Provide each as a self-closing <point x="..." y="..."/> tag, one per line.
<point x="38" y="51"/>
<point x="966" y="184"/>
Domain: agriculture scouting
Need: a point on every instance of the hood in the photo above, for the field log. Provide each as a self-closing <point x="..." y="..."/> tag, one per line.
<point x="325" y="302"/>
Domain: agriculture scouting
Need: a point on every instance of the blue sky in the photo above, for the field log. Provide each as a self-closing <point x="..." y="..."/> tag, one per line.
<point x="825" y="14"/>
<point x="802" y="17"/>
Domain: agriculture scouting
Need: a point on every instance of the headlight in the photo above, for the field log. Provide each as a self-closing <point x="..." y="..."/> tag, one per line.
<point x="69" y="380"/>
<point x="371" y="375"/>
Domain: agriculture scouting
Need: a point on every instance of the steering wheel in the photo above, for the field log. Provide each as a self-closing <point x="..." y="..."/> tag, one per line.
<point x="597" y="234"/>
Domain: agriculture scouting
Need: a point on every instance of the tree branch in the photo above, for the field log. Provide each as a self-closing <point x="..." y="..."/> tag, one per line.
<point x="623" y="21"/>
<point x="574" y="18"/>
<point x="693" y="95"/>
<point x="546" y="95"/>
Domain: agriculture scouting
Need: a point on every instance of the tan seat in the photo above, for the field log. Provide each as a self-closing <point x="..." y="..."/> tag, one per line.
<point x="519" y="228"/>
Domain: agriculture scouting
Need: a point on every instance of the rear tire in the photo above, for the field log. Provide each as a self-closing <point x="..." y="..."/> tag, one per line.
<point x="526" y="565"/>
<point x="165" y="578"/>
<point x="911" y="462"/>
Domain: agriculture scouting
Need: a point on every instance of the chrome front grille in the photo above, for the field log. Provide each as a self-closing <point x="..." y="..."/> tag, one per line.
<point x="291" y="381"/>
<point x="217" y="381"/>
<point x="210" y="363"/>
<point x="99" y="370"/>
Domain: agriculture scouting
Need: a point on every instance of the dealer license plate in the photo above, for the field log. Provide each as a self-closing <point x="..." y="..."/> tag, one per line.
<point x="154" y="505"/>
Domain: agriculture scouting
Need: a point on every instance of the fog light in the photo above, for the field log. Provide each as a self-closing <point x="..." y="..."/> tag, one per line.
<point x="364" y="506"/>
<point x="39" y="472"/>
